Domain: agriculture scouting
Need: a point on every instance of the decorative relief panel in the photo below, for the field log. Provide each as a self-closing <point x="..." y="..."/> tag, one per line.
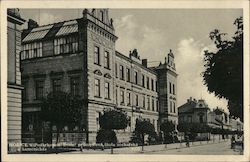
<point x="107" y="75"/>
<point x="101" y="41"/>
<point x="98" y="72"/>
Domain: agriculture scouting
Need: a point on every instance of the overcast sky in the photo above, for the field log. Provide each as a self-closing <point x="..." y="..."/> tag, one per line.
<point x="153" y="32"/>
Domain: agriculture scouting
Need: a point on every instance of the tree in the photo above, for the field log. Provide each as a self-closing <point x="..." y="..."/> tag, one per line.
<point x="106" y="136"/>
<point x="167" y="128"/>
<point x="184" y="127"/>
<point x="223" y="73"/>
<point x="111" y="120"/>
<point x="142" y="128"/>
<point x="62" y="109"/>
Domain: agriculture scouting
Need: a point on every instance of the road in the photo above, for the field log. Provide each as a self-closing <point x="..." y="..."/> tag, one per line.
<point x="222" y="148"/>
<point x="197" y="148"/>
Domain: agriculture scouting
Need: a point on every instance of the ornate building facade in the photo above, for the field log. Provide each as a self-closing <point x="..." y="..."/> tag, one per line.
<point x="79" y="56"/>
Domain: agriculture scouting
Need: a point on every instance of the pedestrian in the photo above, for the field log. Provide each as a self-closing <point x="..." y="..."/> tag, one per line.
<point x="187" y="140"/>
<point x="232" y="142"/>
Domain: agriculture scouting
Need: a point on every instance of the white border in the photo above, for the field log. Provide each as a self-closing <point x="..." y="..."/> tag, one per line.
<point x="122" y="4"/>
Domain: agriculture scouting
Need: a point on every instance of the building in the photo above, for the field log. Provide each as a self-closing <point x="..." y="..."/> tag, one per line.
<point x="14" y="79"/>
<point x="236" y="124"/>
<point x="167" y="89"/>
<point x="79" y="56"/>
<point x="193" y="111"/>
<point x="197" y="111"/>
<point x="218" y="118"/>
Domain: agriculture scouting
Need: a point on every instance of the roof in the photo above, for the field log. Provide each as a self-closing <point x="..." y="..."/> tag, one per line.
<point x="187" y="107"/>
<point x="52" y="30"/>
<point x="68" y="28"/>
<point x="37" y="33"/>
<point x="134" y="62"/>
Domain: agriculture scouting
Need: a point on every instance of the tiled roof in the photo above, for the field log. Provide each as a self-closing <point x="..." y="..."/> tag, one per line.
<point x="68" y="27"/>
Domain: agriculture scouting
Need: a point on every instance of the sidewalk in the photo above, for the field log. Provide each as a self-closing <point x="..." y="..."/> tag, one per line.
<point x="148" y="149"/>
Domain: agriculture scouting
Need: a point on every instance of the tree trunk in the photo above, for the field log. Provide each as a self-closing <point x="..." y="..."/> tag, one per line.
<point x="142" y="141"/>
<point x="57" y="135"/>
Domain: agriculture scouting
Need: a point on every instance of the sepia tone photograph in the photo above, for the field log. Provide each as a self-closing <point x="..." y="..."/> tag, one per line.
<point x="114" y="81"/>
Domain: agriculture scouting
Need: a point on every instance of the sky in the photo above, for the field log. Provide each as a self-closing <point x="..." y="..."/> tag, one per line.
<point x="153" y="32"/>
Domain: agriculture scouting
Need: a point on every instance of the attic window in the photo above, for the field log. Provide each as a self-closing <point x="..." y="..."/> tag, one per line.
<point x="200" y="105"/>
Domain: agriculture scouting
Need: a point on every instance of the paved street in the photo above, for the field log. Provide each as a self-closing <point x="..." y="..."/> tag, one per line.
<point x="222" y="148"/>
<point x="196" y="148"/>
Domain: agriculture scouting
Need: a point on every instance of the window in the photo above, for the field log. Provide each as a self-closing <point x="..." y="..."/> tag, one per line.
<point x="171" y="107"/>
<point x="174" y="106"/>
<point x="106" y="59"/>
<point x="56" y="83"/>
<point x="157" y="105"/>
<point x="136" y="100"/>
<point x="128" y="74"/>
<point x="121" y="72"/>
<point x="148" y="103"/>
<point x="182" y="119"/>
<point x="147" y="82"/>
<point x="67" y="44"/>
<point x="201" y="118"/>
<point x="170" y="87"/>
<point x="143" y="101"/>
<point x="47" y="47"/>
<point x="102" y="15"/>
<point x="107" y="90"/>
<point x="122" y="97"/>
<point x="35" y="52"/>
<point x="116" y="96"/>
<point x="136" y="77"/>
<point x="97" y="88"/>
<point x="189" y="119"/>
<point x="31" y="50"/>
<point x="156" y="86"/>
<point x="153" y="104"/>
<point x="173" y="89"/>
<point x="129" y="121"/>
<point x="25" y="91"/>
<point x="98" y="115"/>
<point x="97" y="55"/>
<point x="39" y="89"/>
<point x="128" y="98"/>
<point x="152" y="84"/>
<point x="74" y="86"/>
<point x="143" y="81"/>
<point x="116" y="70"/>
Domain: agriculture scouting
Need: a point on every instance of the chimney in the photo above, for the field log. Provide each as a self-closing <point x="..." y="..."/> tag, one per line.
<point x="145" y="62"/>
<point x="32" y="24"/>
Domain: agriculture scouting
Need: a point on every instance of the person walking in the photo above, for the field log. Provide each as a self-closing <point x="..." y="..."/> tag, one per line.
<point x="232" y="142"/>
<point x="187" y="140"/>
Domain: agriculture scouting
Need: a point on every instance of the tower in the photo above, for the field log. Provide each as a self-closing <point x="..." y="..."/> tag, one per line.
<point x="97" y="40"/>
<point x="167" y="89"/>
